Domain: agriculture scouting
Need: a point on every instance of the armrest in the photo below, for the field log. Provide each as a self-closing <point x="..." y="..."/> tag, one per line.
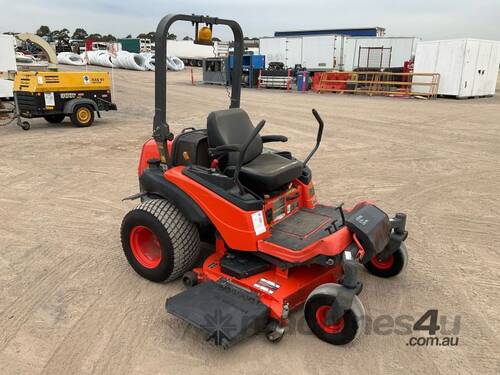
<point x="273" y="138"/>
<point x="224" y="148"/>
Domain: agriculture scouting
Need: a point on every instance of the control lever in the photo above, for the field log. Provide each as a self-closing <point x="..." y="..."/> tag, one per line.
<point x="318" y="137"/>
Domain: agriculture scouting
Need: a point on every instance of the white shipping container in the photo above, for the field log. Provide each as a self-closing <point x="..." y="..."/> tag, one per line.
<point x="467" y="67"/>
<point x="7" y="64"/>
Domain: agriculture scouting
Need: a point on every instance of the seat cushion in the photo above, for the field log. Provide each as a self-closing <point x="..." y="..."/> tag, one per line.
<point x="269" y="171"/>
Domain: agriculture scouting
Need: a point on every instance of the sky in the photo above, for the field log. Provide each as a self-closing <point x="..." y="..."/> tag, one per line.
<point x="429" y="20"/>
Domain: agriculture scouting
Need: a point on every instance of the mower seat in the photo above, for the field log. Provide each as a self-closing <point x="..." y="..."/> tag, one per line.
<point x="260" y="172"/>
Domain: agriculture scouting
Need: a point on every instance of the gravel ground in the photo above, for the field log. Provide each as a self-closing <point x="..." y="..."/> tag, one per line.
<point x="70" y="304"/>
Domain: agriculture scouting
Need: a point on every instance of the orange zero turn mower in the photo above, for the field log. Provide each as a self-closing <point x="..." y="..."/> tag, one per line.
<point x="275" y="249"/>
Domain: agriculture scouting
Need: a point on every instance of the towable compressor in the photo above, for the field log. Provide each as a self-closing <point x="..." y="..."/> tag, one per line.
<point x="55" y="95"/>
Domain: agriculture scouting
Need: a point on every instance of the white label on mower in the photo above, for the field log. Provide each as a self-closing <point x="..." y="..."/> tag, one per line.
<point x="258" y="223"/>
<point x="269" y="284"/>
<point x="39" y="80"/>
<point x="49" y="99"/>
<point x="263" y="288"/>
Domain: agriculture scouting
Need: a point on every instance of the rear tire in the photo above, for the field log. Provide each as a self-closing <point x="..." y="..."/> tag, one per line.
<point x="82" y="116"/>
<point x="54" y="119"/>
<point x="159" y="242"/>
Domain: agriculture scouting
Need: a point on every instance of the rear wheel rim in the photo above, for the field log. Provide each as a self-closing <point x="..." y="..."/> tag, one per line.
<point x="383" y="264"/>
<point x="145" y="246"/>
<point x="83" y="115"/>
<point x="334" y="328"/>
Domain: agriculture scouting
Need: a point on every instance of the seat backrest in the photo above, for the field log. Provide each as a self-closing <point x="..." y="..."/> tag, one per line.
<point x="233" y="126"/>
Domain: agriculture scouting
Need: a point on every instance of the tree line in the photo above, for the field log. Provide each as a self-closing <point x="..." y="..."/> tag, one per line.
<point x="82" y="34"/>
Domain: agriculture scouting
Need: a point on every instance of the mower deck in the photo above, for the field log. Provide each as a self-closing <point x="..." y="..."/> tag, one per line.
<point x="227" y="314"/>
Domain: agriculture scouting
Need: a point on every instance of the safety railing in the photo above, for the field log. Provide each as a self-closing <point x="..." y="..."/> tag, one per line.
<point x="380" y="83"/>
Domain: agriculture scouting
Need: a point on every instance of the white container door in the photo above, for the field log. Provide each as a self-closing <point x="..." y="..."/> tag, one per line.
<point x="469" y="73"/>
<point x="491" y="75"/>
<point x="318" y="52"/>
<point x="348" y="53"/>
<point x="443" y="57"/>
<point x="274" y="49"/>
<point x="293" y="52"/>
<point x="480" y="73"/>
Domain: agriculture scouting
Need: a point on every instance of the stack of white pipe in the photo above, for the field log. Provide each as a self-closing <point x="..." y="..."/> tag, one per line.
<point x="129" y="60"/>
<point x="173" y="62"/>
<point x="70" y="58"/>
<point x="101" y="58"/>
<point x="124" y="60"/>
<point x="149" y="60"/>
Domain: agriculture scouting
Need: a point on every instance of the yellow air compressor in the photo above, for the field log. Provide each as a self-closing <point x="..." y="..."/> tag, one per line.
<point x="55" y="95"/>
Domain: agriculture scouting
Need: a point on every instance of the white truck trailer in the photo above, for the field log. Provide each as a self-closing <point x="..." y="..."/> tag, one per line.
<point x="312" y="52"/>
<point x="467" y="67"/>
<point x="193" y="54"/>
<point x="337" y="52"/>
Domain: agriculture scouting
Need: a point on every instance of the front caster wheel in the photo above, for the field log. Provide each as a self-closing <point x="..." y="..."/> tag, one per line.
<point x="25" y="125"/>
<point x="391" y="266"/>
<point x="345" y="329"/>
<point x="190" y="279"/>
<point x="274" y="332"/>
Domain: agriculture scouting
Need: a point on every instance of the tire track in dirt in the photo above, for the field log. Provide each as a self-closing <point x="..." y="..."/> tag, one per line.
<point x="13" y="317"/>
<point x="102" y="320"/>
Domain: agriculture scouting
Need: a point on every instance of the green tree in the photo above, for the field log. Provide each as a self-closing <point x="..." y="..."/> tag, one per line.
<point x="43" y="31"/>
<point x="187" y="38"/>
<point x="172" y="37"/>
<point x="61" y="35"/>
<point x="95" y="37"/>
<point x="80" y="34"/>
<point x="108" y="38"/>
<point x="129" y="36"/>
<point x="64" y="34"/>
<point x="215" y="39"/>
<point x="151" y="35"/>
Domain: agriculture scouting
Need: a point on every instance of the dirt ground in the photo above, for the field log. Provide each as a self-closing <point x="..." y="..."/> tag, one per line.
<point x="70" y="303"/>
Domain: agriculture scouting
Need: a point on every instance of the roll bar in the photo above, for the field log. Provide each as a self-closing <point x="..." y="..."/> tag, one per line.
<point x="161" y="129"/>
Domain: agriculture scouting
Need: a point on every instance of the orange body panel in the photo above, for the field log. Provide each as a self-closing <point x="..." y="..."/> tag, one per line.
<point x="294" y="284"/>
<point x="150" y="151"/>
<point x="234" y="224"/>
